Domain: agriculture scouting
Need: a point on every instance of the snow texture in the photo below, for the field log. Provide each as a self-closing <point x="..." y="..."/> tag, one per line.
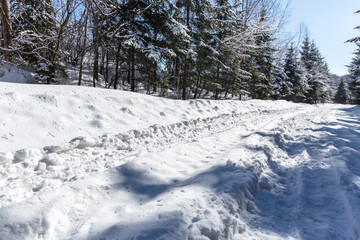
<point x="84" y="163"/>
<point x="11" y="73"/>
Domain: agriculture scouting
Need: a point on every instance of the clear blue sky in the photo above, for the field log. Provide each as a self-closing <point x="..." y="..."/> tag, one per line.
<point x="329" y="23"/>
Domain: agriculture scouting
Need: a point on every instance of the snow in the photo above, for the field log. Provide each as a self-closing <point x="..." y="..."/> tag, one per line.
<point x="85" y="163"/>
<point x="11" y="73"/>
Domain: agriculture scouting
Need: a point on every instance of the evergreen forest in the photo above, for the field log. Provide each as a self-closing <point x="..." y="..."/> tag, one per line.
<point x="186" y="49"/>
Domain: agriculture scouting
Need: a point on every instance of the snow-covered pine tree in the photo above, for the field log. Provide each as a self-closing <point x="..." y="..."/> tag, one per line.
<point x="34" y="30"/>
<point x="305" y="54"/>
<point x="316" y="73"/>
<point x="226" y="76"/>
<point x="341" y="95"/>
<point x="318" y="83"/>
<point x="281" y="86"/>
<point x="144" y="32"/>
<point x="204" y="46"/>
<point x="306" y="60"/>
<point x="186" y="9"/>
<point x="294" y="73"/>
<point x="354" y="71"/>
<point x="355" y="39"/>
<point x="262" y="66"/>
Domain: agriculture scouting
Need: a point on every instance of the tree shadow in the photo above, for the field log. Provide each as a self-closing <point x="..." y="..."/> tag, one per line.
<point x="317" y="201"/>
<point x="217" y="178"/>
<point x="230" y="179"/>
<point x="172" y="226"/>
<point x="309" y="210"/>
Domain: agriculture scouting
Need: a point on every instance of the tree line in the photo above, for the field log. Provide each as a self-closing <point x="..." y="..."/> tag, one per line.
<point x="194" y="48"/>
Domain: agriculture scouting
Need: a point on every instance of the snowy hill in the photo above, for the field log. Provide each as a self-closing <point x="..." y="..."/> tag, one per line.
<point x="85" y="163"/>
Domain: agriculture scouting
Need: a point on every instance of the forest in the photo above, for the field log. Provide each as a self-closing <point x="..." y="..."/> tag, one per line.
<point x="186" y="49"/>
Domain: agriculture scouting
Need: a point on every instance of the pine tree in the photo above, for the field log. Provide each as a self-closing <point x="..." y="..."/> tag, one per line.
<point x="293" y="71"/>
<point x="316" y="73"/>
<point x="262" y="66"/>
<point x="204" y="45"/>
<point x="319" y="81"/>
<point x="224" y="22"/>
<point x="34" y="28"/>
<point x="286" y="79"/>
<point x="282" y="86"/>
<point x="341" y="94"/>
<point x="354" y="70"/>
<point x="355" y="39"/>
<point x="306" y="57"/>
<point x="144" y="32"/>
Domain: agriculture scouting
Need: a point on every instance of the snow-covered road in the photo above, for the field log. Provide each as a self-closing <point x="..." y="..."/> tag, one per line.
<point x="214" y="170"/>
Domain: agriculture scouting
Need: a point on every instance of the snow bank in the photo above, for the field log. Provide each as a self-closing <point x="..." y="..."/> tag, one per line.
<point x="34" y="116"/>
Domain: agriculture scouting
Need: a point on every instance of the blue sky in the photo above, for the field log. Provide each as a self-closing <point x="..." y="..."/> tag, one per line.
<point x="329" y="23"/>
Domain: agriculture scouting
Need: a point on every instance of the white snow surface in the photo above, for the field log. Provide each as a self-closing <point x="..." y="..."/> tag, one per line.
<point x="85" y="163"/>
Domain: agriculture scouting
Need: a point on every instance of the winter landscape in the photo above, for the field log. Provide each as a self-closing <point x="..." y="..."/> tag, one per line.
<point x="173" y="120"/>
<point x="83" y="163"/>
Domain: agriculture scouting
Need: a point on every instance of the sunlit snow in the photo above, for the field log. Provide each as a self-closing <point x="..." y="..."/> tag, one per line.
<point x="85" y="163"/>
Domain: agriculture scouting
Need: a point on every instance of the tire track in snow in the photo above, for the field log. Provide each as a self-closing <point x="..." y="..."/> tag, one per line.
<point x="313" y="203"/>
<point x="236" y="188"/>
<point x="33" y="171"/>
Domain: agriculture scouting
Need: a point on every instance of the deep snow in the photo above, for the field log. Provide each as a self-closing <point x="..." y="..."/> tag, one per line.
<point x="84" y="163"/>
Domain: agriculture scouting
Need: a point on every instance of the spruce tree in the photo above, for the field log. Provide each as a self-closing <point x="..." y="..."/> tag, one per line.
<point x="341" y="94"/>
<point x="316" y="73"/>
<point x="282" y="87"/>
<point x="226" y="64"/>
<point x="289" y="84"/>
<point x="319" y="89"/>
<point x="294" y="73"/>
<point x="355" y="39"/>
<point x="262" y="64"/>
<point x="354" y="70"/>
<point x="144" y="32"/>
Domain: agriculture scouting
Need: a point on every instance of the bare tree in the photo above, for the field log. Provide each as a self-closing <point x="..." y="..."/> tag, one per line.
<point x="86" y="13"/>
<point x="66" y="10"/>
<point x="96" y="39"/>
<point x="6" y="29"/>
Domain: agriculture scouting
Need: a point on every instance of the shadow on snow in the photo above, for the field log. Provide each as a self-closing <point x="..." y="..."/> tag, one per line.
<point x="315" y="201"/>
<point x="321" y="199"/>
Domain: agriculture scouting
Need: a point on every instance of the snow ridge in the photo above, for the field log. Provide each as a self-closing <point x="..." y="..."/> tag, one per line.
<point x="30" y="166"/>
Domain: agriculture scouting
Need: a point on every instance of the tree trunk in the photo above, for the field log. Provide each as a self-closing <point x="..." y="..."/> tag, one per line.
<point x="107" y="67"/>
<point x="197" y="86"/>
<point x="96" y="40"/>
<point x="102" y="65"/>
<point x="177" y="75"/>
<point x="117" y="67"/>
<point x="6" y="29"/>
<point x="128" y="76"/>
<point x="83" y="46"/>
<point x="217" y="81"/>
<point x="133" y="70"/>
<point x="55" y="51"/>
<point x="186" y="67"/>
